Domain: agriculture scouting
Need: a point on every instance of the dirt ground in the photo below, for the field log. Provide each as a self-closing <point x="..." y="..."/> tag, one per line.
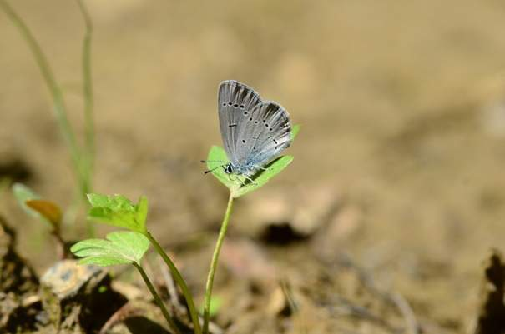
<point x="383" y="222"/>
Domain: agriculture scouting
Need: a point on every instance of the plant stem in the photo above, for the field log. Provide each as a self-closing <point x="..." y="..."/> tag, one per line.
<point x="180" y="282"/>
<point x="213" y="264"/>
<point x="157" y="298"/>
<point x="87" y="95"/>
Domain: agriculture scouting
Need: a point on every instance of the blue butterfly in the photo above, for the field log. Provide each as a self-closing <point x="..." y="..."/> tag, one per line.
<point x="254" y="132"/>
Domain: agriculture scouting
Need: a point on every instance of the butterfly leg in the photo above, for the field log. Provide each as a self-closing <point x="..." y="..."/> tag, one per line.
<point x="248" y="179"/>
<point x="234" y="178"/>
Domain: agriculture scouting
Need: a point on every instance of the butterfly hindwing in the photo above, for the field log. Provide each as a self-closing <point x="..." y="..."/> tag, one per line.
<point x="263" y="136"/>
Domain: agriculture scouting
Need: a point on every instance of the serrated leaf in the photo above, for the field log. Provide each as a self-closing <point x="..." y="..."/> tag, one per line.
<point x="119" y="211"/>
<point x="120" y="248"/>
<point x="239" y="186"/>
<point x="142" y="209"/>
<point x="115" y="202"/>
<point x="294" y="132"/>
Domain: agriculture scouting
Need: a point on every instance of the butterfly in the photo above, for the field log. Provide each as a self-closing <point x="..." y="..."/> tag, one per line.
<point x="254" y="132"/>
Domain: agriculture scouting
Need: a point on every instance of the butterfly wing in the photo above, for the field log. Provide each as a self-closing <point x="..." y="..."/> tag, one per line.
<point x="235" y="103"/>
<point x="263" y="135"/>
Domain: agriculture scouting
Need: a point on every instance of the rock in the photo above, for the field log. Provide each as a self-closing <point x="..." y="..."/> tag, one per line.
<point x="78" y="297"/>
<point x="66" y="278"/>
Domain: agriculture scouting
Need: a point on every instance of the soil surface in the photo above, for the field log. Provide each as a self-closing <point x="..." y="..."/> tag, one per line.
<point x="386" y="219"/>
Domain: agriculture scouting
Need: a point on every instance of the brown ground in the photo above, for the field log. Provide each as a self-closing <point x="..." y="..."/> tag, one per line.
<point x="398" y="169"/>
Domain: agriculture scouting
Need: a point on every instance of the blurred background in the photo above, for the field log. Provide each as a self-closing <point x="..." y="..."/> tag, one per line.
<point x="399" y="162"/>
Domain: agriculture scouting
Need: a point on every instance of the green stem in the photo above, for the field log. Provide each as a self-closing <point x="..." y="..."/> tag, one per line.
<point x="180" y="282"/>
<point x="87" y="94"/>
<point x="157" y="298"/>
<point x="56" y="92"/>
<point x="213" y="264"/>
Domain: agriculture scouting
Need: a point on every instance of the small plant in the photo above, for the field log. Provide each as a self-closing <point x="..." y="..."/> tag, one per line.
<point x="82" y="156"/>
<point x="254" y="133"/>
<point x="238" y="186"/>
<point x="129" y="247"/>
<point x="44" y="210"/>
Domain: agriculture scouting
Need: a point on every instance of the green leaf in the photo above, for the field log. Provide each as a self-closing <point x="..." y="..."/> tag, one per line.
<point x="142" y="209"/>
<point x="239" y="185"/>
<point x="119" y="211"/>
<point x="259" y="180"/>
<point x="216" y="160"/>
<point x="294" y="132"/>
<point x="120" y="248"/>
<point x="24" y="194"/>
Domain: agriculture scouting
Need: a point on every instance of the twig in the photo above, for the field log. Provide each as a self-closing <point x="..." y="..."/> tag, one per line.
<point x="293" y="304"/>
<point x="367" y="280"/>
<point x="170" y="284"/>
<point x="121" y="314"/>
<point x="407" y="313"/>
<point x="362" y="312"/>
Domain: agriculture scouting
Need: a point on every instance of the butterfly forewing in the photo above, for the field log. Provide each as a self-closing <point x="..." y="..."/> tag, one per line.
<point x="235" y="103"/>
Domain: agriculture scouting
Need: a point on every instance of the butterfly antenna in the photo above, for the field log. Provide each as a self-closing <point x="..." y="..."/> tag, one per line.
<point x="204" y="161"/>
<point x="213" y="169"/>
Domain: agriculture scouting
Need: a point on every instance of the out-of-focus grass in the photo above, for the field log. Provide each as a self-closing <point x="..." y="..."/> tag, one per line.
<point x="82" y="155"/>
